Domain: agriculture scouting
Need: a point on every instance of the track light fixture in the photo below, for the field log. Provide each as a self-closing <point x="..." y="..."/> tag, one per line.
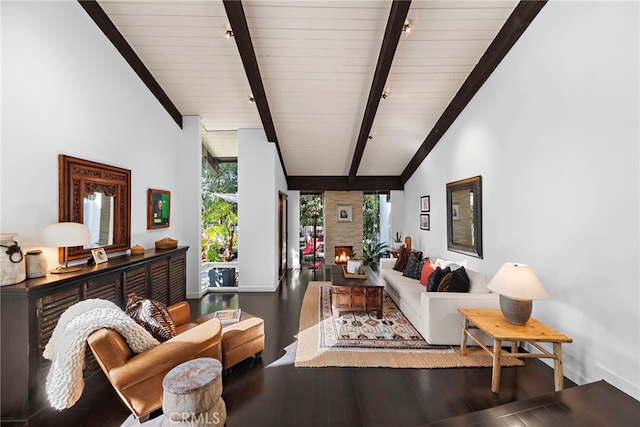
<point x="406" y="28"/>
<point x="252" y="99"/>
<point x="229" y="34"/>
<point x="384" y="95"/>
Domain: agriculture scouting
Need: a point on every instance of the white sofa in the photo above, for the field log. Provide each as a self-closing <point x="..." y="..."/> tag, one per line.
<point x="435" y="314"/>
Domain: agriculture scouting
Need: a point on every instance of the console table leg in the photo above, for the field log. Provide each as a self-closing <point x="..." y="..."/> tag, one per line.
<point x="463" y="344"/>
<point x="495" y="375"/>
<point x="558" y="376"/>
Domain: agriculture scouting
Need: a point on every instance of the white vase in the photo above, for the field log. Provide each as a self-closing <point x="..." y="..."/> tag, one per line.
<point x="353" y="266"/>
<point x="12" y="264"/>
<point x="36" y="263"/>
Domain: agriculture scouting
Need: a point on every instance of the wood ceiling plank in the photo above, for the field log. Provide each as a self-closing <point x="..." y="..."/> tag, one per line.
<point x="238" y="22"/>
<point x="397" y="16"/>
<point x="103" y="22"/>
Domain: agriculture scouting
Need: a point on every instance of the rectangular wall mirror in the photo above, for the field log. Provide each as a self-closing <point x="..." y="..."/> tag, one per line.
<point x="99" y="196"/>
<point x="464" y="216"/>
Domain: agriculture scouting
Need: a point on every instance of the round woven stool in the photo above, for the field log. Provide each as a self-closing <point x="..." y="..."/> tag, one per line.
<point x="193" y="394"/>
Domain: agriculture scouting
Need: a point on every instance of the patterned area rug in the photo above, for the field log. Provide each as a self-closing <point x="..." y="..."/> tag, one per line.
<point x="362" y="340"/>
<point x="357" y="330"/>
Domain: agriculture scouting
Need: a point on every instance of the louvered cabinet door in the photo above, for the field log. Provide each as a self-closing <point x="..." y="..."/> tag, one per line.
<point x="135" y="282"/>
<point x="48" y="311"/>
<point x="106" y="287"/>
<point x="177" y="279"/>
<point x="160" y="281"/>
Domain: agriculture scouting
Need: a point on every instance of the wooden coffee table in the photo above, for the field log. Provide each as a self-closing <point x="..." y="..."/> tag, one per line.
<point x="492" y="323"/>
<point x="362" y="295"/>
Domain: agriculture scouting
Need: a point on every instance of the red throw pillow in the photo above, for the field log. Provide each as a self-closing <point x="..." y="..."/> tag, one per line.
<point x="427" y="269"/>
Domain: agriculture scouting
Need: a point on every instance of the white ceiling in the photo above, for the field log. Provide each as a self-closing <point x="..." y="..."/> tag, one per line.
<point x="317" y="61"/>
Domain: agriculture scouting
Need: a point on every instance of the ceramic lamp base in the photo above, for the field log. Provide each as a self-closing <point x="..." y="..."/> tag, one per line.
<point x="516" y="311"/>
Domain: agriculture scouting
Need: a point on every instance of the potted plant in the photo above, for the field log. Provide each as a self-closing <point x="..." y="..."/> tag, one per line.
<point x="397" y="241"/>
<point x="372" y="250"/>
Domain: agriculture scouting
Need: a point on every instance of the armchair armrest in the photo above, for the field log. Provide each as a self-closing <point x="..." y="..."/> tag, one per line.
<point x="180" y="313"/>
<point x="162" y="358"/>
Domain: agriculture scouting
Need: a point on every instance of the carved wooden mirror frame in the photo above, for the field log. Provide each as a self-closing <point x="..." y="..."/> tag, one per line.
<point x="474" y="216"/>
<point x="77" y="178"/>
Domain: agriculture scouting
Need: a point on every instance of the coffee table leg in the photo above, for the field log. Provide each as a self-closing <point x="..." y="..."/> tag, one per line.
<point x="558" y="376"/>
<point x="495" y="375"/>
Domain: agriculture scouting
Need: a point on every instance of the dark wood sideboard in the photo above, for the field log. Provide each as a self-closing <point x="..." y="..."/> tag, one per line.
<point x="30" y="311"/>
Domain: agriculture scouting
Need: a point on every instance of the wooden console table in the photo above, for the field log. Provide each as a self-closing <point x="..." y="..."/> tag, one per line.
<point x="492" y="323"/>
<point x="30" y="310"/>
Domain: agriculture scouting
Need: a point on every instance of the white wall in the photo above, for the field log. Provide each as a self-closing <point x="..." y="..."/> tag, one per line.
<point x="293" y="257"/>
<point x="260" y="179"/>
<point x="66" y="90"/>
<point x="554" y="134"/>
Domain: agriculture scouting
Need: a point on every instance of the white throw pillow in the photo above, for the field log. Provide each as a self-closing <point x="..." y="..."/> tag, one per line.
<point x="453" y="264"/>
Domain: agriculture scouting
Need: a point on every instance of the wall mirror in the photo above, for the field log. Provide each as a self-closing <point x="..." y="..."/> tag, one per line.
<point x="99" y="196"/>
<point x="464" y="216"/>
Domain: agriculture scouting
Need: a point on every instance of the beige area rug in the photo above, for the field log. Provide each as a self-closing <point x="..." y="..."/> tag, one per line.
<point x="316" y="350"/>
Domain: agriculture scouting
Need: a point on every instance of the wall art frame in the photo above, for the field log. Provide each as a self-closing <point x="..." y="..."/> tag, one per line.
<point x="425" y="203"/>
<point x="99" y="255"/>
<point x="344" y="213"/>
<point x="425" y="222"/>
<point x="158" y="209"/>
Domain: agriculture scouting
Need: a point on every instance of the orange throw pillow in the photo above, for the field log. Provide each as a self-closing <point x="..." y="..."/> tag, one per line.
<point x="427" y="269"/>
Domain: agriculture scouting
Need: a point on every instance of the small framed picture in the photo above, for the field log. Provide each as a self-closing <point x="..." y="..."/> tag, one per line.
<point x="344" y="213"/>
<point x="455" y="211"/>
<point x="425" y="203"/>
<point x="424" y="222"/>
<point x="158" y="208"/>
<point x="99" y="255"/>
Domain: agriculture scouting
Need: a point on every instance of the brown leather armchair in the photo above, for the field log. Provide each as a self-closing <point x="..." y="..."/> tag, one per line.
<point x="137" y="378"/>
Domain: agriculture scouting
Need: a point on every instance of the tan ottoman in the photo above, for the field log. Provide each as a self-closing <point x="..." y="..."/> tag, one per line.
<point x="240" y="340"/>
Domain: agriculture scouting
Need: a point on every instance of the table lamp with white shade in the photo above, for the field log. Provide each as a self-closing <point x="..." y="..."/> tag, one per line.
<point x="517" y="286"/>
<point x="65" y="235"/>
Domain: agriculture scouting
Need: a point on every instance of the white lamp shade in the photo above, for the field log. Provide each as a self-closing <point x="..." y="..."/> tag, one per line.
<point x="66" y="234"/>
<point x="517" y="281"/>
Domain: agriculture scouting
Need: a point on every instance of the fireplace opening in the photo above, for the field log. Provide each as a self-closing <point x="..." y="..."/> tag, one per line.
<point x="343" y="254"/>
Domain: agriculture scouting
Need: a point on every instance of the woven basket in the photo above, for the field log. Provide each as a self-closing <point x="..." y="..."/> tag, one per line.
<point x="137" y="250"/>
<point x="166" y="243"/>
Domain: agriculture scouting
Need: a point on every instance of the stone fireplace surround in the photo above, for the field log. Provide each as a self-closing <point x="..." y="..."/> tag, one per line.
<point x="342" y="233"/>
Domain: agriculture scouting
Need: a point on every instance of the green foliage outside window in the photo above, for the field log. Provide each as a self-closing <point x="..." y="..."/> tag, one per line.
<point x="219" y="217"/>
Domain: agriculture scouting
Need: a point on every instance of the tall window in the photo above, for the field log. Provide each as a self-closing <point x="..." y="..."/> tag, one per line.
<point x="220" y="213"/>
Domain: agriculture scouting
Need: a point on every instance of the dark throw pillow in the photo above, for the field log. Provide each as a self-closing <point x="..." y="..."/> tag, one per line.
<point x="414" y="267"/>
<point x="151" y="315"/>
<point x="459" y="281"/>
<point x="401" y="262"/>
<point x="434" y="278"/>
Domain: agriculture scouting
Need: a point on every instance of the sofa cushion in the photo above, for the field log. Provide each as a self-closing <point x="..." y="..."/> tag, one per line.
<point x="402" y="259"/>
<point x="427" y="268"/>
<point x="151" y="315"/>
<point x="436" y="277"/>
<point x="455" y="281"/>
<point x="413" y="268"/>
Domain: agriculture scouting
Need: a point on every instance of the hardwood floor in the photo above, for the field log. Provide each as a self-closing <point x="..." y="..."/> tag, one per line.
<point x="271" y="392"/>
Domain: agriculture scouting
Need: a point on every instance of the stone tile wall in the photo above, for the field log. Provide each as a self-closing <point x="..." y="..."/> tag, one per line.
<point x="342" y="233"/>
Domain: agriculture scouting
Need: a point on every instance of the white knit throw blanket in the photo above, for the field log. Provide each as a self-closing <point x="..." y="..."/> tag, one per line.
<point x="67" y="345"/>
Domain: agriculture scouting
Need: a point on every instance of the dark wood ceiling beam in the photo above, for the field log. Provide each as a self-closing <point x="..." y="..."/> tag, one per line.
<point x="341" y="183"/>
<point x="240" y="28"/>
<point x="103" y="22"/>
<point x="397" y="17"/>
<point x="523" y="14"/>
